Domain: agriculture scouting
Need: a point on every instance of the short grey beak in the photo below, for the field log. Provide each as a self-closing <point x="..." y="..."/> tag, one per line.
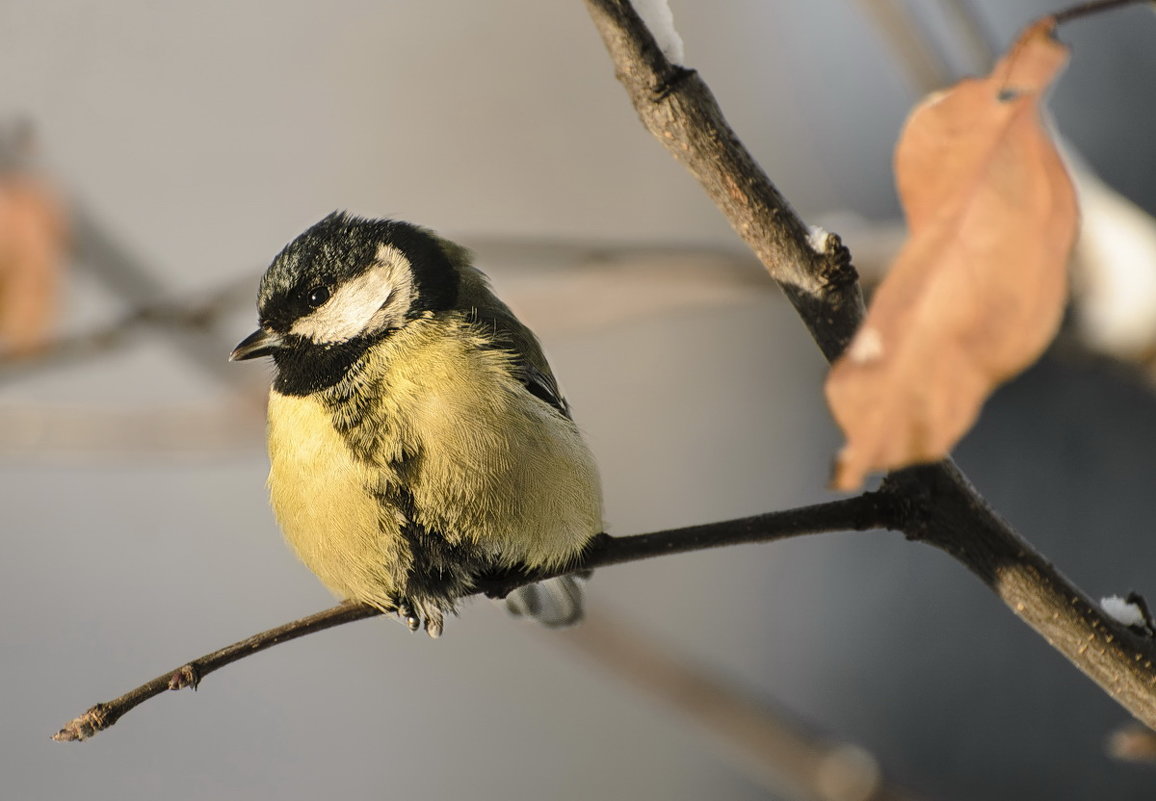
<point x="258" y="343"/>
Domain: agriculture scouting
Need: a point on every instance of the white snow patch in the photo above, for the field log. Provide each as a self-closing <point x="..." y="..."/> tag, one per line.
<point x="660" y="21"/>
<point x="818" y="239"/>
<point x="1122" y="611"/>
<point x="866" y="347"/>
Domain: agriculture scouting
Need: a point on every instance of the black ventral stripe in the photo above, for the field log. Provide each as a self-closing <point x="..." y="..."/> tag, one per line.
<point x="438" y="571"/>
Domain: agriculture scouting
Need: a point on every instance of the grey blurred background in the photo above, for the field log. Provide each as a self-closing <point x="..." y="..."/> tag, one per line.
<point x="135" y="528"/>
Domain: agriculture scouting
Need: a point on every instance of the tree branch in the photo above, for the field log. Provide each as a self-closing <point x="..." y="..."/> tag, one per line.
<point x="947" y="512"/>
<point x="939" y="506"/>
<point x="678" y="108"/>
<point x="863" y="512"/>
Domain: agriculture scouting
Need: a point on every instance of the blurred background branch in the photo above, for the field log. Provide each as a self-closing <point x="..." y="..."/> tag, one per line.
<point x="765" y="741"/>
<point x="923" y="63"/>
<point x="192" y="323"/>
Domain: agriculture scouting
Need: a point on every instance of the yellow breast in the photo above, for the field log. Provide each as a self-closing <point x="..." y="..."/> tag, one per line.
<point x="319" y="492"/>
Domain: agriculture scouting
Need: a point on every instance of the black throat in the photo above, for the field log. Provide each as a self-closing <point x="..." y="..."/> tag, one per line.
<point x="304" y="367"/>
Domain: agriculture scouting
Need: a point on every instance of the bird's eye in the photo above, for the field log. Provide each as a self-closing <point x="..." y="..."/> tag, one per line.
<point x="317" y="296"/>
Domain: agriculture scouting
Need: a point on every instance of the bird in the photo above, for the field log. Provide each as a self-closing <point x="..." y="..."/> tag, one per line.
<point x="418" y="441"/>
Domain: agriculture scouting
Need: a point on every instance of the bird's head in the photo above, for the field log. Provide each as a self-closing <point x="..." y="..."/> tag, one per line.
<point x="343" y="285"/>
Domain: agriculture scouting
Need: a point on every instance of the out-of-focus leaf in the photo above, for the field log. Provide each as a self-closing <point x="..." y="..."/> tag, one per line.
<point x="32" y="235"/>
<point x="978" y="290"/>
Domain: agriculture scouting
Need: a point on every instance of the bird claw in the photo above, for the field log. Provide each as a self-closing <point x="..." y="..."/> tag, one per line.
<point x="415" y="617"/>
<point x="406" y="613"/>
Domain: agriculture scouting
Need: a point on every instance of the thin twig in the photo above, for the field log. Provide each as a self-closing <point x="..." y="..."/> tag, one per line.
<point x="942" y="508"/>
<point x="860" y="513"/>
<point x="101" y="716"/>
<point x="1095" y="7"/>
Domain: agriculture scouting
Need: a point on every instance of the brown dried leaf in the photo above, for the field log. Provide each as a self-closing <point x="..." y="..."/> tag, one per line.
<point x="978" y="290"/>
<point x="32" y="242"/>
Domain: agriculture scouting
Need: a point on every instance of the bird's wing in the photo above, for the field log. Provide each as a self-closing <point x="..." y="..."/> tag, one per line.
<point x="543" y="386"/>
<point x="498" y="323"/>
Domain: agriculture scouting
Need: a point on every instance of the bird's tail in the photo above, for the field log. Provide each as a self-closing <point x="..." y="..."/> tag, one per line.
<point x="554" y="602"/>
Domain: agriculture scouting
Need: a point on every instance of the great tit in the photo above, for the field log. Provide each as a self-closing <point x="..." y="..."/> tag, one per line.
<point x="417" y="437"/>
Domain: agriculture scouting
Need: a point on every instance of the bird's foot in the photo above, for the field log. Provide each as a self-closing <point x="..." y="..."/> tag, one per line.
<point x="406" y="612"/>
<point x="417" y="615"/>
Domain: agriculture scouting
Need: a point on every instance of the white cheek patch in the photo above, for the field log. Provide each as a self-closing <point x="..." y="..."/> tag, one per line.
<point x="374" y="300"/>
